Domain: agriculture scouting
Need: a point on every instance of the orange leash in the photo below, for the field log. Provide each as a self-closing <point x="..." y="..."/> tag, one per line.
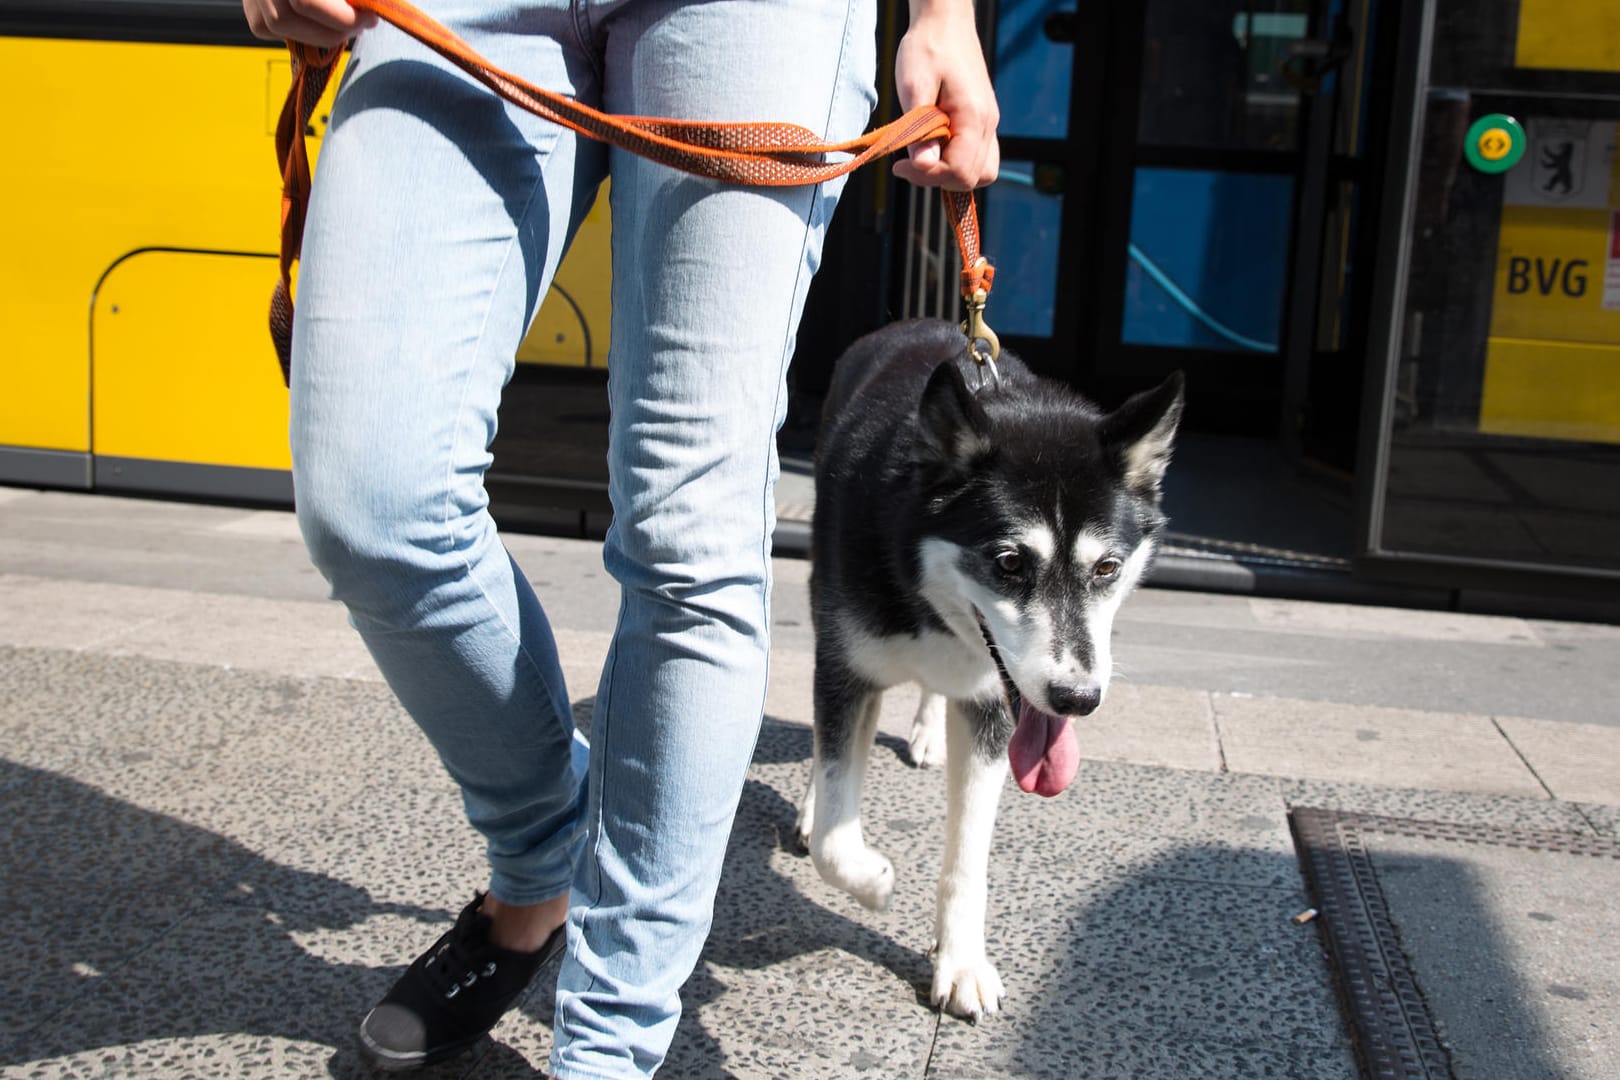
<point x="769" y="154"/>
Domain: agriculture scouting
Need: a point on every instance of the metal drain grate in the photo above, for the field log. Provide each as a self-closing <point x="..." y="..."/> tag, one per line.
<point x="1390" y="1023"/>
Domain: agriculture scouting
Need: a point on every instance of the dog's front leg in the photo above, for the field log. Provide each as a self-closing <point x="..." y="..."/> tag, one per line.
<point x="965" y="982"/>
<point x="927" y="743"/>
<point x="830" y="819"/>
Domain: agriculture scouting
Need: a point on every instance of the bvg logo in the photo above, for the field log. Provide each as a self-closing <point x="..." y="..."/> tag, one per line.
<point x="1560" y="158"/>
<point x="1546" y="275"/>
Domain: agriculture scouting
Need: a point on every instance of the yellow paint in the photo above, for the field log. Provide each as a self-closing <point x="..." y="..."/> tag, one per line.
<point x="1552" y="361"/>
<point x="134" y="146"/>
<point x="1576" y="35"/>
<point x="130" y="146"/>
<point x="1494" y="143"/>
<point x="562" y="335"/>
<point x="170" y="381"/>
<point x="1551" y="390"/>
<point x="1562" y="253"/>
<point x="1614" y="172"/>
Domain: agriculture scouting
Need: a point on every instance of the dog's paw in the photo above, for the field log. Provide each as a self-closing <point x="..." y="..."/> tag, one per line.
<point x="806" y="823"/>
<point x="927" y="743"/>
<point x="867" y="875"/>
<point x="967" y="990"/>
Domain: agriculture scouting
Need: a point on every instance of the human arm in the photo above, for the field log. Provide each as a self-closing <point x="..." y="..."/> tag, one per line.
<point x="315" y="22"/>
<point x="940" y="62"/>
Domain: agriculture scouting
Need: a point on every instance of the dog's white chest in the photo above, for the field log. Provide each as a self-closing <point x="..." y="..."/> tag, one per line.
<point x="943" y="663"/>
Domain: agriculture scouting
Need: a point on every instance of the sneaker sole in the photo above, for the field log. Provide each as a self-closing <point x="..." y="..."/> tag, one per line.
<point x="390" y="1061"/>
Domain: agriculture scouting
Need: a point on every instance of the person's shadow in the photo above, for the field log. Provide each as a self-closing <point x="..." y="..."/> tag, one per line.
<point x="140" y="940"/>
<point x="131" y="931"/>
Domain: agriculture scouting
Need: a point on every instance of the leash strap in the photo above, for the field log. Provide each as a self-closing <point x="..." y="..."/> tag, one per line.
<point x="311" y="70"/>
<point x="767" y="154"/>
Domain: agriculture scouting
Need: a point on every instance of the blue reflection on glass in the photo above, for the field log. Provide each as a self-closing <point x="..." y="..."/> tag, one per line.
<point x="1208" y="259"/>
<point x="1021" y="228"/>
<point x="1032" y="71"/>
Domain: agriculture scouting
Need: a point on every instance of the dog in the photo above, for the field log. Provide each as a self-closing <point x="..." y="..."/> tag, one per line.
<point x="973" y="533"/>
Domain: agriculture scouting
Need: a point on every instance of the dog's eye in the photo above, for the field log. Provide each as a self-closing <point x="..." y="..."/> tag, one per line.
<point x="1010" y="562"/>
<point x="1107" y="569"/>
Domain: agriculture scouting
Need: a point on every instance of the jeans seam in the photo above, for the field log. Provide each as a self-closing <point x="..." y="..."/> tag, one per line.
<point x="812" y="215"/>
<point x="601" y="726"/>
<point x="455" y="437"/>
<point x="583" y="32"/>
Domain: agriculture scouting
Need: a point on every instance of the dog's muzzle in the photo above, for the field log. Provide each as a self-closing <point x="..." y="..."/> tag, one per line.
<point x="1044" y="751"/>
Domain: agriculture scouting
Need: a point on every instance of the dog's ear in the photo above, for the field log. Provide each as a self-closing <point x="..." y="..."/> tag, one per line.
<point x="952" y="428"/>
<point x="1138" y="434"/>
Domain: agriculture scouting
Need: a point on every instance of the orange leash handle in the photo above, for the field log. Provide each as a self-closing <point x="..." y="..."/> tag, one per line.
<point x="312" y="69"/>
<point x="767" y="154"/>
<point x="770" y="154"/>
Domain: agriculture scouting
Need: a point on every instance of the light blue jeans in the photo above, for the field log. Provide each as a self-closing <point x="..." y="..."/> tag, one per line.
<point x="438" y="219"/>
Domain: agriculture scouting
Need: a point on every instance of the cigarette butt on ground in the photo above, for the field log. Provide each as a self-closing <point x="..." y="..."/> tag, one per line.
<point x="1305" y="916"/>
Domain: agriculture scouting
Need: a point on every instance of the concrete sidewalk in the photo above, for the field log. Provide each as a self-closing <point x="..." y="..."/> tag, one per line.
<point x="224" y="839"/>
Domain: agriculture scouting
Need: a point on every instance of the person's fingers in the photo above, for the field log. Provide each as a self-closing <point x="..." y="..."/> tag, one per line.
<point x="925" y="155"/>
<point x="969" y="160"/>
<point x="322" y="23"/>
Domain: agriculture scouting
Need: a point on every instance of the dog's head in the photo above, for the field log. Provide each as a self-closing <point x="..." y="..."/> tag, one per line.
<point x="1041" y="515"/>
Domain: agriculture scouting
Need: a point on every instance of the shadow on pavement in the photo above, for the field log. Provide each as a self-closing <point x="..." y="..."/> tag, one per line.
<point x="133" y="927"/>
<point x="135" y="947"/>
<point x="137" y="931"/>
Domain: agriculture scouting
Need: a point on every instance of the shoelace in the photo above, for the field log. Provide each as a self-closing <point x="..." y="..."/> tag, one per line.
<point x="453" y="966"/>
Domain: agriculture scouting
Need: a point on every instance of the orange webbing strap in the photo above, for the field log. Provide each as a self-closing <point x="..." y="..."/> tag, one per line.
<point x="311" y="68"/>
<point x="770" y="154"/>
<point x="977" y="277"/>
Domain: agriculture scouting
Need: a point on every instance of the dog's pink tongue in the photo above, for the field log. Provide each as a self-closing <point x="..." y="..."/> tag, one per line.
<point x="1044" y="751"/>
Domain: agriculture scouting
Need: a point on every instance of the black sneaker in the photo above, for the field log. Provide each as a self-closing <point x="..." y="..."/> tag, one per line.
<point x="451" y="996"/>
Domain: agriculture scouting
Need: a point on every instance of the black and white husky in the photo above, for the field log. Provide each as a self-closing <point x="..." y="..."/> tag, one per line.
<point x="975" y="537"/>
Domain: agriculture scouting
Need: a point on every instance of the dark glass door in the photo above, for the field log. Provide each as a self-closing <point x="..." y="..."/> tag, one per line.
<point x="1219" y="179"/>
<point x="1494" y="446"/>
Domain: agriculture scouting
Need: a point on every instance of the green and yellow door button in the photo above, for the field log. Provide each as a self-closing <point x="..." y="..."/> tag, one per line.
<point x="1494" y="143"/>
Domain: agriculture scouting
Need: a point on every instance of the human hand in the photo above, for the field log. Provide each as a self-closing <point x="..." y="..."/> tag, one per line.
<point x="940" y="62"/>
<point x="323" y="23"/>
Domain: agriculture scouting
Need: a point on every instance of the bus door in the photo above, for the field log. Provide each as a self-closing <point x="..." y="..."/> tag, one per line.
<point x="1178" y="186"/>
<point x="1495" y="435"/>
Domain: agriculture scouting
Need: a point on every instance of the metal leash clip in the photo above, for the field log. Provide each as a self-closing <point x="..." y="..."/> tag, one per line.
<point x="983" y="345"/>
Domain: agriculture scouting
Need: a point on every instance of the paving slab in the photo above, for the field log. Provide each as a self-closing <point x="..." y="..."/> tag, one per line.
<point x="231" y="991"/>
<point x="1517" y="955"/>
<point x="296" y="636"/>
<point x="1369" y="744"/>
<point x="1177" y="958"/>
<point x="1471" y="950"/>
<point x="1394" y="657"/>
<point x="147" y="542"/>
<point x="1603" y="819"/>
<point x="1343" y="621"/>
<point x="1459" y="807"/>
<point x="44" y="612"/>
<point x="1577" y="762"/>
<point x="1153" y="725"/>
<point x="47" y="963"/>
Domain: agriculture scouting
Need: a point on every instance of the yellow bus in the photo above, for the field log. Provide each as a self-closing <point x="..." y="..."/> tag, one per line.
<point x="140" y="228"/>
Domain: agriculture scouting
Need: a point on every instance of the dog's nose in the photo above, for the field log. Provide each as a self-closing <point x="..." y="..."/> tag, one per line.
<point x="1073" y="700"/>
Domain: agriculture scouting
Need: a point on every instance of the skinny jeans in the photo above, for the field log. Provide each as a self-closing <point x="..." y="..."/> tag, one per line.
<point x="438" y="219"/>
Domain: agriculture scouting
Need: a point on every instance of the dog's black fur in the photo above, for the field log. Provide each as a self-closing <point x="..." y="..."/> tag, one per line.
<point x="922" y="451"/>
